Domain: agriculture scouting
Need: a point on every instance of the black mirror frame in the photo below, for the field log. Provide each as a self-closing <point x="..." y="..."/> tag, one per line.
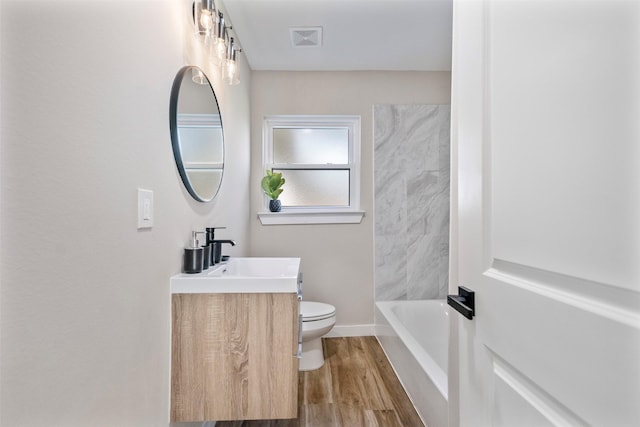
<point x="175" y="141"/>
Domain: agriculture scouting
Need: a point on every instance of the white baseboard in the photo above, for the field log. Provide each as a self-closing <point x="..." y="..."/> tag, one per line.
<point x="351" y="331"/>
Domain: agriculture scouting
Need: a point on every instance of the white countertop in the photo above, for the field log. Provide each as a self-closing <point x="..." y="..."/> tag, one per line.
<point x="241" y="275"/>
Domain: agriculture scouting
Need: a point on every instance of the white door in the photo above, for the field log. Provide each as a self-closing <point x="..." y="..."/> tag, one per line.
<point x="546" y="131"/>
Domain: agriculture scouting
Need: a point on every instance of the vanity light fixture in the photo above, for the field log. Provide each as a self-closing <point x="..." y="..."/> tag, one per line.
<point x="209" y="22"/>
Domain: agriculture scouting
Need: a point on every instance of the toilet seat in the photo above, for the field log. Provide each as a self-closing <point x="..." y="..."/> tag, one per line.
<point x="312" y="311"/>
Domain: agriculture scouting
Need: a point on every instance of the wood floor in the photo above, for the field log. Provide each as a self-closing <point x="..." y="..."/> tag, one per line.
<point x="355" y="387"/>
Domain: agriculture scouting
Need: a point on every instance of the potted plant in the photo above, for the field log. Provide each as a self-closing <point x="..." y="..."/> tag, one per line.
<point x="271" y="185"/>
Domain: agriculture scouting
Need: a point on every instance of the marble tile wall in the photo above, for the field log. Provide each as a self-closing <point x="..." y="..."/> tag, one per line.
<point x="411" y="176"/>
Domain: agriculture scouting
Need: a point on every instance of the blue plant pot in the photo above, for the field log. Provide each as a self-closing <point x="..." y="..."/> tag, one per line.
<point x="275" y="205"/>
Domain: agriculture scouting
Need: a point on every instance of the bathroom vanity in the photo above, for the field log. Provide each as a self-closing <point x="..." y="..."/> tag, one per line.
<point x="235" y="341"/>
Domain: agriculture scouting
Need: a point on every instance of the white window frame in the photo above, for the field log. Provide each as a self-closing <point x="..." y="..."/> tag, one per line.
<point x="189" y="120"/>
<point x="321" y="214"/>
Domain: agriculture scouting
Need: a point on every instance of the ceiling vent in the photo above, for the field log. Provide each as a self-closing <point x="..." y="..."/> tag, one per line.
<point x="306" y="36"/>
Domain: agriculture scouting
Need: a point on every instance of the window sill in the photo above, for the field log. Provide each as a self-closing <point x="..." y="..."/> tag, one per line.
<point x="318" y="217"/>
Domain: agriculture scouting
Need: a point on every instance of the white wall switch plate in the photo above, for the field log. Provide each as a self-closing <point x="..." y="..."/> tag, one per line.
<point x="145" y="208"/>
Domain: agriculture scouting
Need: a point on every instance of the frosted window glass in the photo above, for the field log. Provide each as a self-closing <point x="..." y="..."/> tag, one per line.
<point x="201" y="144"/>
<point x="315" y="187"/>
<point x="311" y="146"/>
<point x="205" y="182"/>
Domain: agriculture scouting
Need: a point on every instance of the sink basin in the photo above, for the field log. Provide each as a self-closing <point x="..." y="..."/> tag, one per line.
<point x="242" y="275"/>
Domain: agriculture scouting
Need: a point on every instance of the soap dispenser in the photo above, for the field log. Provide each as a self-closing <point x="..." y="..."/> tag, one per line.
<point x="193" y="256"/>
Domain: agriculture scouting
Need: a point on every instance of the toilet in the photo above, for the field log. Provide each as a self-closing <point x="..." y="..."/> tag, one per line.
<point x="317" y="320"/>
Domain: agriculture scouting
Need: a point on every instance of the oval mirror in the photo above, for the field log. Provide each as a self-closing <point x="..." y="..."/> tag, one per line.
<point x="196" y="133"/>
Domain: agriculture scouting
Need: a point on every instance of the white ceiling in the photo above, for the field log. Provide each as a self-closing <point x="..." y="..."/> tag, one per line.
<point x="357" y="34"/>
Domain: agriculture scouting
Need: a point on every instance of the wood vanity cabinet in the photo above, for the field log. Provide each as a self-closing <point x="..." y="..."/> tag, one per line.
<point x="234" y="356"/>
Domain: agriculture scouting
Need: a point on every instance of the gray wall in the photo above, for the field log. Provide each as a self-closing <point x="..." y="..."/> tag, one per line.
<point x="411" y="201"/>
<point x="338" y="260"/>
<point x="84" y="295"/>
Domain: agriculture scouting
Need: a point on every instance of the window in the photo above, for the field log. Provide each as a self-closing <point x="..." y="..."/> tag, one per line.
<point x="202" y="151"/>
<point x="319" y="156"/>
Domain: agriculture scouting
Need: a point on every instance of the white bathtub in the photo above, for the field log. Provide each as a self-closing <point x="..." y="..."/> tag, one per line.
<point x="415" y="335"/>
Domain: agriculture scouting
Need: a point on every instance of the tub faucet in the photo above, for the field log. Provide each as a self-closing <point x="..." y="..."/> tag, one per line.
<point x="217" y="249"/>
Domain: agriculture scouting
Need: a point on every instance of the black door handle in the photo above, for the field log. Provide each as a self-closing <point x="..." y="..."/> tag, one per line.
<point x="464" y="302"/>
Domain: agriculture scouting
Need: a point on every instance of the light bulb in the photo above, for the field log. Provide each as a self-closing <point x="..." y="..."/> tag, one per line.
<point x="220" y="49"/>
<point x="206" y="19"/>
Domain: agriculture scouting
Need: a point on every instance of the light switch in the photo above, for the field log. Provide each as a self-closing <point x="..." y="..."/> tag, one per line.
<point x="145" y="208"/>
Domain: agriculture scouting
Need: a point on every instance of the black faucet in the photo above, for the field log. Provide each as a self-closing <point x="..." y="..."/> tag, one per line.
<point x="217" y="249"/>
<point x="209" y="235"/>
<point x="215" y="245"/>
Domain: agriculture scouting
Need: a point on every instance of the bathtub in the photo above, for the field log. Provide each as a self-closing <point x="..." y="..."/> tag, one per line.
<point x="414" y="336"/>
